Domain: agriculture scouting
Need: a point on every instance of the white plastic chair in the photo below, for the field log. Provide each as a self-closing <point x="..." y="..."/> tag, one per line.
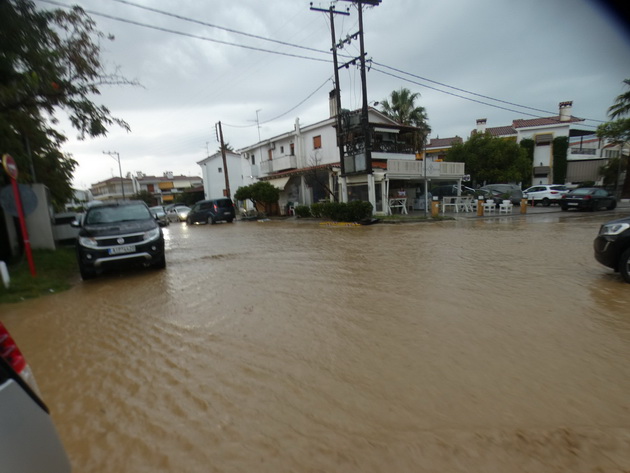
<point x="489" y="206"/>
<point x="505" y="207"/>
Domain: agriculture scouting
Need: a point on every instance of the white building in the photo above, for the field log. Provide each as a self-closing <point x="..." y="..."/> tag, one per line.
<point x="304" y="164"/>
<point x="214" y="174"/>
<point x="542" y="131"/>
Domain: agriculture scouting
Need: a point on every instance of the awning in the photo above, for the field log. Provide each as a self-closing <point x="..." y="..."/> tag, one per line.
<point x="280" y="182"/>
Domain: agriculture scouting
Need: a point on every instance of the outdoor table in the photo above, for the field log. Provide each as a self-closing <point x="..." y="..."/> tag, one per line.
<point x="398" y="203"/>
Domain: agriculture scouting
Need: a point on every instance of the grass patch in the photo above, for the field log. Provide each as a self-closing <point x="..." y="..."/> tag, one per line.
<point x="57" y="271"/>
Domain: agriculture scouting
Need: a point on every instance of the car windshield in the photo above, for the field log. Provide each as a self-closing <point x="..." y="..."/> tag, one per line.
<point x="119" y="213"/>
<point x="582" y="191"/>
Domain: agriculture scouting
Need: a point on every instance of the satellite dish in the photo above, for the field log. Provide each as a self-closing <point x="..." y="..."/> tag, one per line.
<point x="28" y="197"/>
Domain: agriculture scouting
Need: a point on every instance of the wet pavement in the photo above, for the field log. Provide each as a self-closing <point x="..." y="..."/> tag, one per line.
<point x="472" y="344"/>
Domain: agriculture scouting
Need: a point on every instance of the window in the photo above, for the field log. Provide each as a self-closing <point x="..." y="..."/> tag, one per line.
<point x="317" y="142"/>
<point x="253" y="160"/>
<point x="544" y="139"/>
<point x="220" y="170"/>
<point x="282" y="149"/>
<point x="292" y="149"/>
<point x="270" y="154"/>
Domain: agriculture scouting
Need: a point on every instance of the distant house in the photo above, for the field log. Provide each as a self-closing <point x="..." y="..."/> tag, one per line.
<point x="113" y="188"/>
<point x="542" y="131"/>
<point x="166" y="188"/>
<point x="304" y="163"/>
<point x="437" y="148"/>
<point x="214" y="174"/>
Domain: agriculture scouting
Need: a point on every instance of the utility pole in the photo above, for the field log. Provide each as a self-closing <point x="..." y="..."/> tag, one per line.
<point x="340" y="133"/>
<point x="226" y="191"/>
<point x="122" y="183"/>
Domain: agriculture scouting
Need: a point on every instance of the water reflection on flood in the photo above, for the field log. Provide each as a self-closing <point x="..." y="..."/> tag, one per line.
<point x="485" y="345"/>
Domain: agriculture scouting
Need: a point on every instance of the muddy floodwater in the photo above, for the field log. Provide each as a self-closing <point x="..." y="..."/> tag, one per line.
<point x="486" y="345"/>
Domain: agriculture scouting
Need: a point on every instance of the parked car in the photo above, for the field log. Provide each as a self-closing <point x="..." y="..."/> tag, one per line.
<point x="177" y="213"/>
<point x="545" y="195"/>
<point x="211" y="211"/>
<point x="588" y="198"/>
<point x="506" y="191"/>
<point x="612" y="246"/>
<point x="160" y="215"/>
<point x="28" y="438"/>
<point x="118" y="233"/>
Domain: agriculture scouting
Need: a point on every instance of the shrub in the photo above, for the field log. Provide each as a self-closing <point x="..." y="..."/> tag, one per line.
<point x="302" y="211"/>
<point x="351" y="212"/>
<point x="316" y="210"/>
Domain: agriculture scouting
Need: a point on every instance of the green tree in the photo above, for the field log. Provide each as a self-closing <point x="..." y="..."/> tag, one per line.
<point x="261" y="193"/>
<point x="402" y="107"/>
<point x="49" y="62"/>
<point x="145" y="196"/>
<point x="560" y="147"/>
<point x="492" y="160"/>
<point x="618" y="132"/>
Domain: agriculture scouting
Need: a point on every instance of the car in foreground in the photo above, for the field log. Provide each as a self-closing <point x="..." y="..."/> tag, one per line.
<point x="29" y="441"/>
<point x="116" y="234"/>
<point x="545" y="195"/>
<point x="612" y="246"/>
<point x="160" y="215"/>
<point x="588" y="198"/>
<point x="211" y="211"/>
<point x="177" y="213"/>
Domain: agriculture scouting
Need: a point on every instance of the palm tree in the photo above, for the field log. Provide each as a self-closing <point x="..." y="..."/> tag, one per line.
<point x="402" y="108"/>
<point x="621" y="106"/>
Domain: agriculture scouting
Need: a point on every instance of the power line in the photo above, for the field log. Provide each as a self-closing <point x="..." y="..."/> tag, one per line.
<point x="190" y="35"/>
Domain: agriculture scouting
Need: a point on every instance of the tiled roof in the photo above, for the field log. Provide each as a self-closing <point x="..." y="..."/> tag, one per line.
<point x="443" y="142"/>
<point x="498" y="131"/>
<point x="544" y="121"/>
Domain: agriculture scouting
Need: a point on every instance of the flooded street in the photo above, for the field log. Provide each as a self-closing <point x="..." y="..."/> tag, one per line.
<point x="288" y="346"/>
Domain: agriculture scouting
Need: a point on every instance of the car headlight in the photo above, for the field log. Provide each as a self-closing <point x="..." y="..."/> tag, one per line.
<point x="152" y="234"/>
<point x="613" y="228"/>
<point x="88" y="242"/>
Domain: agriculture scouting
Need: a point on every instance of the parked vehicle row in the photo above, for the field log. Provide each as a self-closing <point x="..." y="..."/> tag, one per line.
<point x="545" y="194"/>
<point x="212" y="211"/>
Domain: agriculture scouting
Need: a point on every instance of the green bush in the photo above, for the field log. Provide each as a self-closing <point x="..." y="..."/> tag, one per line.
<point x="302" y="211"/>
<point x="347" y="212"/>
<point x="316" y="210"/>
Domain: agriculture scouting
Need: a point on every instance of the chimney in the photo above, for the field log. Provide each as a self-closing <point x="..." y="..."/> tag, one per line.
<point x="332" y="103"/>
<point x="481" y="125"/>
<point x="565" y="111"/>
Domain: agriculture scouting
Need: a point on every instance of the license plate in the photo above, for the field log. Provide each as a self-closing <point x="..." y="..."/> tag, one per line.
<point x="119" y="250"/>
<point x="573" y="203"/>
<point x="226" y="213"/>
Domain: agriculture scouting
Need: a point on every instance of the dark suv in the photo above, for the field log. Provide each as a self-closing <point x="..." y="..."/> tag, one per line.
<point x="211" y="211"/>
<point x="118" y="233"/>
<point x="612" y="246"/>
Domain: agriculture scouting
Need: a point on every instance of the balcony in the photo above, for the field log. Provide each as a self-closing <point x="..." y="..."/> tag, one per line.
<point x="284" y="163"/>
<point x="442" y="170"/>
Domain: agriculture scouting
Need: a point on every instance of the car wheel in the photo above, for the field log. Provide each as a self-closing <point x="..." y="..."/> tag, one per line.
<point x="624" y="265"/>
<point x="160" y="263"/>
<point x="211" y="220"/>
<point x="188" y="221"/>
<point x="612" y="206"/>
<point x="86" y="273"/>
<point x="230" y="220"/>
<point x="546" y="202"/>
<point x="564" y="208"/>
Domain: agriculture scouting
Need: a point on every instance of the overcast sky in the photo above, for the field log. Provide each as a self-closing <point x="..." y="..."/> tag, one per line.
<point x="495" y="59"/>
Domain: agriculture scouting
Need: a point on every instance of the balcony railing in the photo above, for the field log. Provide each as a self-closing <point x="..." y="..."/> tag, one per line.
<point x="284" y="163"/>
<point x="417" y="168"/>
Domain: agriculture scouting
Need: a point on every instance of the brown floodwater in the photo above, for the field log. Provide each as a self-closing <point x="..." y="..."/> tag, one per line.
<point x="288" y="346"/>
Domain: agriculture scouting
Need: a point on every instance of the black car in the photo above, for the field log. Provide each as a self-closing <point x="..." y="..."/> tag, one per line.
<point x="612" y="246"/>
<point x="211" y="211"/>
<point x="118" y="233"/>
<point x="588" y="198"/>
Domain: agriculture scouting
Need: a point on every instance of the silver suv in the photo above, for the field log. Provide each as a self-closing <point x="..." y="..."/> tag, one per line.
<point x="544" y="194"/>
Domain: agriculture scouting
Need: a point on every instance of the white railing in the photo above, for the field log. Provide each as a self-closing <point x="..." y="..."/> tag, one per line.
<point x="284" y="163"/>
<point x="417" y="168"/>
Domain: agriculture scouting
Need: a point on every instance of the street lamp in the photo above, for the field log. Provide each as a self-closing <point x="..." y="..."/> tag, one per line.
<point x="122" y="183"/>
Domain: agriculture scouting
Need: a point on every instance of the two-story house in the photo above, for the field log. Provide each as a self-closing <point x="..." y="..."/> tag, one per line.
<point x="166" y="188"/>
<point x="214" y="172"/>
<point x="542" y="131"/>
<point x="305" y="164"/>
<point x="113" y="188"/>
